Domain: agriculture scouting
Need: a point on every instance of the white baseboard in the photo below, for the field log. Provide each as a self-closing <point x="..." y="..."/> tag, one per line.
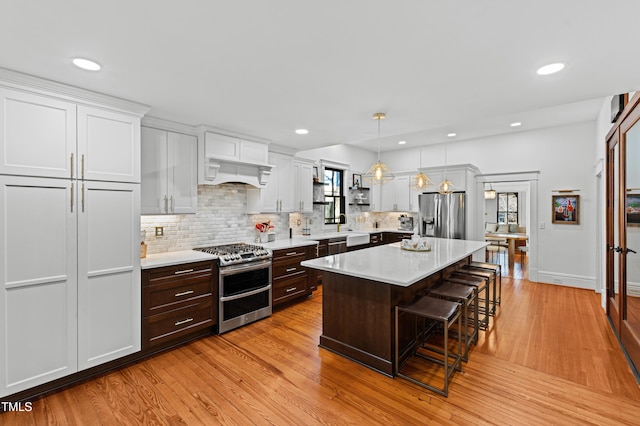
<point x="633" y="289"/>
<point x="569" y="280"/>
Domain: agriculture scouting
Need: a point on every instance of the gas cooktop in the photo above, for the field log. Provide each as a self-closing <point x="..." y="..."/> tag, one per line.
<point x="231" y="254"/>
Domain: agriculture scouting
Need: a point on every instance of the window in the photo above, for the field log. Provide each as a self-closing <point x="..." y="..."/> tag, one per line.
<point x="333" y="198"/>
<point x="507" y="207"/>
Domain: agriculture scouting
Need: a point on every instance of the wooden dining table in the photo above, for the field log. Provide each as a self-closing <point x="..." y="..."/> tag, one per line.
<point x="511" y="242"/>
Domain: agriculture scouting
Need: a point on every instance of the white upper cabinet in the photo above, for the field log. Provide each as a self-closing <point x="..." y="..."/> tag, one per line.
<point x="397" y="196"/>
<point x="41" y="136"/>
<point x="37" y="135"/>
<point x="169" y="172"/>
<point x="303" y="186"/>
<point x="277" y="195"/>
<point x="232" y="148"/>
<point x="108" y="145"/>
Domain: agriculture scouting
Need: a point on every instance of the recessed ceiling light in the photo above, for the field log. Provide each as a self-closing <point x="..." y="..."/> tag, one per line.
<point x="402" y="142"/>
<point x="451" y="135"/>
<point x="550" y="69"/>
<point x="516" y="124"/>
<point x="86" y="64"/>
<point x="302" y="131"/>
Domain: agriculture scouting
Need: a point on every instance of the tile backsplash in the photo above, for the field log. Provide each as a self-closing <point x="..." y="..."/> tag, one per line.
<point x="221" y="219"/>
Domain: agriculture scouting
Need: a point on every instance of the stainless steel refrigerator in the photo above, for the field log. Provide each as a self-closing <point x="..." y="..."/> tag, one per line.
<point x="442" y="215"/>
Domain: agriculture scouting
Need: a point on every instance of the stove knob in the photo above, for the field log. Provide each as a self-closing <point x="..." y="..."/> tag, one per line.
<point x="226" y="258"/>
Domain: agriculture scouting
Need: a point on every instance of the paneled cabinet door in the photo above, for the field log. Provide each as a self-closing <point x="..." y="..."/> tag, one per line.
<point x="303" y="186"/>
<point x="182" y="176"/>
<point x="108" y="145"/>
<point x="403" y="194"/>
<point x="277" y="195"/>
<point x="38" y="283"/>
<point x="109" y="306"/>
<point x="169" y="172"/>
<point x="37" y="135"/>
<point x="153" y="188"/>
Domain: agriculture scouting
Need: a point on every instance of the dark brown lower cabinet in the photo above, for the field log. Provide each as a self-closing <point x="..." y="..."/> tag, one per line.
<point x="178" y="302"/>
<point x="291" y="281"/>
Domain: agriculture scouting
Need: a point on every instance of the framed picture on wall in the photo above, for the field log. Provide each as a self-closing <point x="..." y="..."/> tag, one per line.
<point x="565" y="209"/>
<point x="357" y="180"/>
<point x="632" y="208"/>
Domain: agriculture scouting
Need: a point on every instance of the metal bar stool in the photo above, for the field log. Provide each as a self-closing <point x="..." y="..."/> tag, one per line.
<point x="482" y="288"/>
<point x="493" y="279"/>
<point x="467" y="296"/>
<point x="438" y="311"/>
<point x="498" y="270"/>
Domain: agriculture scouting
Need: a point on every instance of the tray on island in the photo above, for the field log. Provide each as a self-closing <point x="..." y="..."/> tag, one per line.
<point x="428" y="248"/>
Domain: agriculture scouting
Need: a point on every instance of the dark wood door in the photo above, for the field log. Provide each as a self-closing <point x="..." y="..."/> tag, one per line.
<point x="629" y="229"/>
<point x="623" y="230"/>
<point x="613" y="217"/>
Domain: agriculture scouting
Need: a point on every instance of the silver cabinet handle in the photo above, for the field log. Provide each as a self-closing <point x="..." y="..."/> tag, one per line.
<point x="83" y="198"/>
<point x="289" y="290"/>
<point x="72" y="196"/>
<point x="184" y="293"/>
<point x="72" y="167"/>
<point x="171" y="203"/>
<point x="184" y="321"/>
<point x="82" y="164"/>
<point x="291" y="269"/>
<point x="165" y="204"/>
<point x="184" y="271"/>
<point x="292" y="253"/>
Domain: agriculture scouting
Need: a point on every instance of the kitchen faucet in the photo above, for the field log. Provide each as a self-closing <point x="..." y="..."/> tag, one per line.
<point x="345" y="220"/>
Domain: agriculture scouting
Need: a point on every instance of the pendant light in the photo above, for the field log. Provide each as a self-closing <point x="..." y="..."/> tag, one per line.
<point x="378" y="173"/>
<point x="490" y="194"/>
<point x="446" y="186"/>
<point x="420" y="182"/>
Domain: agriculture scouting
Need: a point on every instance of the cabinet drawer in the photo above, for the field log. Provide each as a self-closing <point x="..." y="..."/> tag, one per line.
<point x="289" y="265"/>
<point x="169" y="325"/>
<point x="290" y="287"/>
<point x="171" y="295"/>
<point x="183" y="271"/>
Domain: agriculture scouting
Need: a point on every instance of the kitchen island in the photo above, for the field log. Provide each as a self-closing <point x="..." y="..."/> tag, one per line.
<point x="361" y="289"/>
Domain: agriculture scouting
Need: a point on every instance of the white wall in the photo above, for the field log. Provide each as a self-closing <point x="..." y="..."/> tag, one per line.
<point x="603" y="125"/>
<point x="564" y="156"/>
<point x="358" y="159"/>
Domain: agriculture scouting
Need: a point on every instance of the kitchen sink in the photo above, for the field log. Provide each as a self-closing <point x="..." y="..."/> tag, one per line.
<point x="357" y="238"/>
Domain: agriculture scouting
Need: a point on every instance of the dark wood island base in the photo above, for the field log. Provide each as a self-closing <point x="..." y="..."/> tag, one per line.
<point x="358" y="316"/>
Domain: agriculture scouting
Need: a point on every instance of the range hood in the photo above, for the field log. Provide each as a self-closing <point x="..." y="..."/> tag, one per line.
<point x="227" y="157"/>
<point x="217" y="171"/>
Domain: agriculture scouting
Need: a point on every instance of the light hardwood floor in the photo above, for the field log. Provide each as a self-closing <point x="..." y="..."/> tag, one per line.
<point x="549" y="357"/>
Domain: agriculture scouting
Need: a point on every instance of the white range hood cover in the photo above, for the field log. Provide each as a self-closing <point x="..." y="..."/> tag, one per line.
<point x="218" y="171"/>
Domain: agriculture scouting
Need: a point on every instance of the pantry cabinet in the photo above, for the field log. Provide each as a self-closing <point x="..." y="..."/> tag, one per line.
<point x="39" y="282"/>
<point x="169" y="172"/>
<point x="70" y="234"/>
<point x="47" y="137"/>
<point x="108" y="272"/>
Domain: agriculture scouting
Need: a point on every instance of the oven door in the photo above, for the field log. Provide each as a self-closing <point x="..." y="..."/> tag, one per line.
<point x="245" y="294"/>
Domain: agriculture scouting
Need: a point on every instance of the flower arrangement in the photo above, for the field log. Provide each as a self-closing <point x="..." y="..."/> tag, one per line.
<point x="263" y="229"/>
<point x="264" y="226"/>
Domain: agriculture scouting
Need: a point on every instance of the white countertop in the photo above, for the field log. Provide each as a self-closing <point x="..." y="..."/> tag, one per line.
<point x="390" y="264"/>
<point x="174" y="258"/>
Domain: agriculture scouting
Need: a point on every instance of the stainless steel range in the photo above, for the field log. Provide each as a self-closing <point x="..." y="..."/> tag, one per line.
<point x="244" y="284"/>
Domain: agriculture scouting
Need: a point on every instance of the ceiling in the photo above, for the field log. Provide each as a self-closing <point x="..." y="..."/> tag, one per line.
<point x="266" y="68"/>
